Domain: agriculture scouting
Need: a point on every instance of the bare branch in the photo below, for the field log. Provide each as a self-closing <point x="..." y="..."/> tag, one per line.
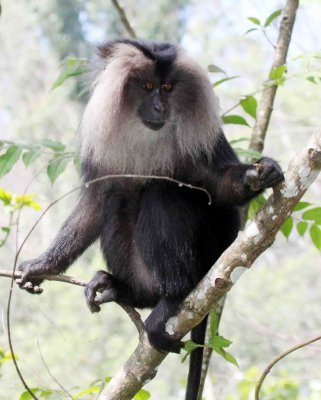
<point x="279" y="358"/>
<point x="265" y="106"/>
<point x="257" y="237"/>
<point x="132" y="313"/>
<point x="124" y="19"/>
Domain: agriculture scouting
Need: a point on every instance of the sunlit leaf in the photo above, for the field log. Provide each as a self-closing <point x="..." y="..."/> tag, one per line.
<point x="242" y="139"/>
<point x="91" y="390"/>
<point x="142" y="395"/>
<point x="287" y="227"/>
<point x="315" y="234"/>
<point x="215" y="69"/>
<point x="272" y="17"/>
<point x="249" y="105"/>
<point x="312" y="214"/>
<point x="72" y="68"/>
<point x="27" y="200"/>
<point x="255" y="21"/>
<point x="302" y="227"/>
<point x="8" y="159"/>
<point x="5" y="196"/>
<point x="300" y="205"/>
<point x="277" y="75"/>
<point x="217" y="83"/>
<point x="234" y="119"/>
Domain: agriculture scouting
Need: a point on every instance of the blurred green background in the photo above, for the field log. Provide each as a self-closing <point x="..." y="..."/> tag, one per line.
<point x="275" y="305"/>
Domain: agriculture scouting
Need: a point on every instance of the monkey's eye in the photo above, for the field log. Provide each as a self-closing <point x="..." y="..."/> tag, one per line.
<point x="167" y="87"/>
<point x="148" y="86"/>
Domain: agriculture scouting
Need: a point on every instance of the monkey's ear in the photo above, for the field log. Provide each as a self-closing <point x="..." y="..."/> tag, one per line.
<point x="105" y="50"/>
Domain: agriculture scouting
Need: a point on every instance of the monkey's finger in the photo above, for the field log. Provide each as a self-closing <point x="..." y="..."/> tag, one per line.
<point x="90" y="294"/>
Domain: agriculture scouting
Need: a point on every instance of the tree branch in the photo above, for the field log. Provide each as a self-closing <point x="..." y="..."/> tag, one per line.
<point x="257" y="237"/>
<point x="133" y="314"/>
<point x="123" y="17"/>
<point x="265" y="106"/>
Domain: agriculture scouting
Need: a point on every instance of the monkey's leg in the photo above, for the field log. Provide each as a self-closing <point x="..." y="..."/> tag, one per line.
<point x="155" y="326"/>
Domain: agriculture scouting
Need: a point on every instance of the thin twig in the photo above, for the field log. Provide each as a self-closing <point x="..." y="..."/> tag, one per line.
<point x="276" y="360"/>
<point x="132" y="313"/>
<point x="123" y="17"/>
<point x="51" y="375"/>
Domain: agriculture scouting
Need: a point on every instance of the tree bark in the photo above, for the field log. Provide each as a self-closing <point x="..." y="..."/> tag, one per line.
<point x="257" y="237"/>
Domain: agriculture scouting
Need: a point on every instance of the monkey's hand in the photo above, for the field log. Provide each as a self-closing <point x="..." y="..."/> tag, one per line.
<point x="29" y="272"/>
<point x="263" y="174"/>
<point x="100" y="290"/>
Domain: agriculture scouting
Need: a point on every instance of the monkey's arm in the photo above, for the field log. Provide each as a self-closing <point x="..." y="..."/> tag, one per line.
<point x="79" y="231"/>
<point x="234" y="183"/>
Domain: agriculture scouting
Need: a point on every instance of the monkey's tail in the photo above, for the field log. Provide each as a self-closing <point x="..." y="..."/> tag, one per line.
<point x="195" y="364"/>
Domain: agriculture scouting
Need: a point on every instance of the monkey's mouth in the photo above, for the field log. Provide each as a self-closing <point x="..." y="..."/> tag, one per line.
<point x="154" y="125"/>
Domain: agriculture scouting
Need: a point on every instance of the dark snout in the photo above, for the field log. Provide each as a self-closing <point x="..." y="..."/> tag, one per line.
<point x="154" y="113"/>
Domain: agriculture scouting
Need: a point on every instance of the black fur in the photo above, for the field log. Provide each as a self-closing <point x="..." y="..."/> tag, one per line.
<point x="158" y="239"/>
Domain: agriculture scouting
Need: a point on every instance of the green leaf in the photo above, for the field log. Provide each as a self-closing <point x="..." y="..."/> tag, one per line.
<point x="27" y="396"/>
<point x="53" y="145"/>
<point x="217" y="83"/>
<point x="6" y="197"/>
<point x="234" y="119"/>
<point x="73" y="67"/>
<point x="255" y="21"/>
<point x="92" y="389"/>
<point x="300" y="205"/>
<point x="214" y="323"/>
<point x="272" y="17"/>
<point x="77" y="165"/>
<point x="302" y="227"/>
<point x="57" y="166"/>
<point x="277" y="75"/>
<point x="255" y="205"/>
<point x="286" y="228"/>
<point x="312" y="214"/>
<point x="142" y="395"/>
<point x="315" y="234"/>
<point x="227" y="356"/>
<point x="189" y="346"/>
<point x="247" y="153"/>
<point x="313" y="79"/>
<point x="250" y="30"/>
<point x="8" y="159"/>
<point x="219" y="341"/>
<point x="30" y="156"/>
<point x="242" y="139"/>
<point x="215" y="69"/>
<point x="249" y="105"/>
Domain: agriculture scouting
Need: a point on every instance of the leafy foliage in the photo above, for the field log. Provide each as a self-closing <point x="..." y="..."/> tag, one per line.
<point x="73" y="67"/>
<point x="216" y="342"/>
<point x="305" y="221"/>
<point x="58" y="156"/>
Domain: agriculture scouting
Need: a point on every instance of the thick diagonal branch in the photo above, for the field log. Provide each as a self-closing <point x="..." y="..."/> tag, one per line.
<point x="257" y="237"/>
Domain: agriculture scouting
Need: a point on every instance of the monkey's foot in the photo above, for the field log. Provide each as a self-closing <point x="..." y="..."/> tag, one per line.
<point x="164" y="342"/>
<point x="99" y="290"/>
